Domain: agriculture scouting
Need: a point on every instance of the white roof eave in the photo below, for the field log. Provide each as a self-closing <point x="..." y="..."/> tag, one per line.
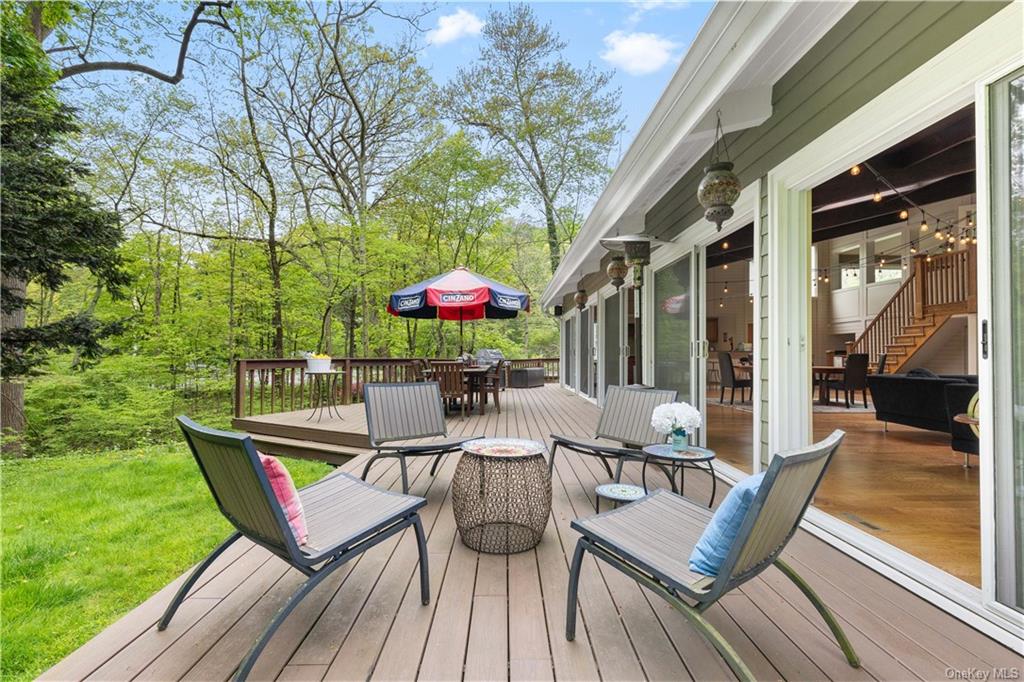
<point x="714" y="75"/>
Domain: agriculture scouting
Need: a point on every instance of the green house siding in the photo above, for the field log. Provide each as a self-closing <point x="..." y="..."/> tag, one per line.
<point x="870" y="49"/>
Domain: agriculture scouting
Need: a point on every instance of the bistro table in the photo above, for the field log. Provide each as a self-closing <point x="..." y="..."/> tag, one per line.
<point x="691" y="457"/>
<point x="501" y="494"/>
<point x="322" y="392"/>
<point x="822" y="374"/>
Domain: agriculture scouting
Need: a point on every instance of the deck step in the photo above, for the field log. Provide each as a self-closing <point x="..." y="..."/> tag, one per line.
<point x="305" y="449"/>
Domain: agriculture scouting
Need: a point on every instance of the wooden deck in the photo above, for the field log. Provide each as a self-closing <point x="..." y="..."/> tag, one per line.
<point x="502" y="618"/>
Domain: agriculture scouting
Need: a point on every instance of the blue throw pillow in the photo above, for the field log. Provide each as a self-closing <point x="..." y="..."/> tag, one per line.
<point x="716" y="541"/>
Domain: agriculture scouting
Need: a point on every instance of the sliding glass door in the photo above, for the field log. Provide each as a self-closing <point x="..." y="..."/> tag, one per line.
<point x="672" y="324"/>
<point x="569" y="352"/>
<point x="611" y="346"/>
<point x="585" y="355"/>
<point x="1005" y="341"/>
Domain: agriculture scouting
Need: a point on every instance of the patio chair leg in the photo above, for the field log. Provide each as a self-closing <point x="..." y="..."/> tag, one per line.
<point x="715" y="639"/>
<point x="574" y="586"/>
<point x="607" y="467"/>
<point x="405" y="474"/>
<point x="437" y="462"/>
<point x="830" y="620"/>
<point x="421" y="543"/>
<point x="618" y="469"/>
<point x="245" y="667"/>
<point x="369" y="462"/>
<point x="551" y="458"/>
<point x="187" y="585"/>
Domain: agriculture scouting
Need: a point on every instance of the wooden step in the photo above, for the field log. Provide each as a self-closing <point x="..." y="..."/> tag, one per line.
<point x="305" y="449"/>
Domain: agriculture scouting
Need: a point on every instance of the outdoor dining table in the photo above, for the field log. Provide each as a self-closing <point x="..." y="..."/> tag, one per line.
<point x="474" y="376"/>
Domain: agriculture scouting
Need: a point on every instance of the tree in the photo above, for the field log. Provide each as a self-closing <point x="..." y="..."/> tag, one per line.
<point x="557" y="123"/>
<point x="47" y="223"/>
<point x="85" y="30"/>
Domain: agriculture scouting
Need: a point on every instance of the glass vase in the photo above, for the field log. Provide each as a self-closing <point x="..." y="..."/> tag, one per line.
<point x="680" y="441"/>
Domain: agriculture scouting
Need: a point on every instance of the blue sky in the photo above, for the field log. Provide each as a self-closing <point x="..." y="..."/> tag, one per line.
<point x="642" y="41"/>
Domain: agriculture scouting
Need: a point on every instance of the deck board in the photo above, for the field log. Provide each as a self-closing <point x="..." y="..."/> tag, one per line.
<point x="496" y="617"/>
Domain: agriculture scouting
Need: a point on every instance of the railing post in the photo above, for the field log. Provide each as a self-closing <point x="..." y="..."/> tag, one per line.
<point x="346" y="382"/>
<point x="919" y="286"/>
<point x="239" y="387"/>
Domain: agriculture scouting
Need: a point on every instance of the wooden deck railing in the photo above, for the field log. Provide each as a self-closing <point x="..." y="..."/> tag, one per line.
<point x="267" y="386"/>
<point x="946" y="283"/>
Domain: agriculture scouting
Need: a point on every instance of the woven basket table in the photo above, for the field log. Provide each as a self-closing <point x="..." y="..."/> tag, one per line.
<point x="501" y="494"/>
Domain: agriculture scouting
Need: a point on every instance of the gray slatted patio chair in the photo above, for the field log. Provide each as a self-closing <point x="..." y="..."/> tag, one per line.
<point x="344" y="517"/>
<point x="625" y="421"/>
<point x="402" y="412"/>
<point x="651" y="540"/>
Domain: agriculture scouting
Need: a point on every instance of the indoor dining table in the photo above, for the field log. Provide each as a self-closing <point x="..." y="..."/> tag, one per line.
<point x="822" y="375"/>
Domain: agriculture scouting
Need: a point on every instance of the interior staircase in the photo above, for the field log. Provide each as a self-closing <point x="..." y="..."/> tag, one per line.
<point x="938" y="288"/>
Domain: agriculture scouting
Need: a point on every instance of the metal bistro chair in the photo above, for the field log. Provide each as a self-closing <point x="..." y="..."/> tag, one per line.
<point x="344" y="518"/>
<point x="402" y="412"/>
<point x="625" y="420"/>
<point x="651" y="540"/>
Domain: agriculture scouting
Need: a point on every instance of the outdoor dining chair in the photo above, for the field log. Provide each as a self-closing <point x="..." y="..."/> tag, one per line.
<point x="344" y="517"/>
<point x="624" y="427"/>
<point x="404" y="412"/>
<point x="450" y="376"/>
<point x="650" y="540"/>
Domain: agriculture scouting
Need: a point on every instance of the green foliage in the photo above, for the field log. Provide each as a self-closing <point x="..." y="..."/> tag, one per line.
<point x="87" y="538"/>
<point x="48" y="223"/>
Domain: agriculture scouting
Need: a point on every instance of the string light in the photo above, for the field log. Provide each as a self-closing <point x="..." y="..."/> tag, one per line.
<point x="725" y="245"/>
<point x="938" y="234"/>
<point x="952" y="239"/>
<point x="924" y="223"/>
<point x="913" y="246"/>
<point x="725" y="266"/>
<point x="877" y="196"/>
<point x="855" y="171"/>
<point x="928" y="258"/>
<point x="970" y="219"/>
<point x="904" y="214"/>
<point x="721" y="303"/>
<point x="725" y="289"/>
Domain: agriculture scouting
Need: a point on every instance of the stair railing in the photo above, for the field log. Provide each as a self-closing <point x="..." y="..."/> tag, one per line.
<point x="890" y="321"/>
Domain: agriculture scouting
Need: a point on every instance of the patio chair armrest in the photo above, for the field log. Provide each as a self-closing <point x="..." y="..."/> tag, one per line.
<point x="597" y="448"/>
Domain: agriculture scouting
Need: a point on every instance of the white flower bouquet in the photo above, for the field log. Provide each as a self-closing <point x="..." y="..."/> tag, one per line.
<point x="678" y="420"/>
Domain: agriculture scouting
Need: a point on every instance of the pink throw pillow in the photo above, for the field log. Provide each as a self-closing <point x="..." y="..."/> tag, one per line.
<point x="284" y="490"/>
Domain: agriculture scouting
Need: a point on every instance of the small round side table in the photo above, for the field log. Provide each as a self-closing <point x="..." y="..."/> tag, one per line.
<point x="325" y="385"/>
<point x="501" y="494"/>
<point x="617" y="493"/>
<point x="691" y="458"/>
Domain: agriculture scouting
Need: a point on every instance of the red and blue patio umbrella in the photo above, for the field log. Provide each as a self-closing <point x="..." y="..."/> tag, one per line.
<point x="459" y="294"/>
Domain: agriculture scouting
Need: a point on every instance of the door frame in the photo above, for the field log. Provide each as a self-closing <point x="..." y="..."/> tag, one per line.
<point x="948" y="82"/>
<point x="995" y="400"/>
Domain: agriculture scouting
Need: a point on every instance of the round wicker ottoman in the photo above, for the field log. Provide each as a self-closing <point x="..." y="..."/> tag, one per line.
<point x="501" y="495"/>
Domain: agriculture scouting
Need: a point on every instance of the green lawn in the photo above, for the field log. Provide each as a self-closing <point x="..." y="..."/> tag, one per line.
<point x="86" y="538"/>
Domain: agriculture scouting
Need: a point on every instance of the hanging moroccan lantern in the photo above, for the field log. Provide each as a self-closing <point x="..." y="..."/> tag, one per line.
<point x="637" y="250"/>
<point x="720" y="187"/>
<point x="580" y="298"/>
<point x="617" y="270"/>
<point x="718" y="191"/>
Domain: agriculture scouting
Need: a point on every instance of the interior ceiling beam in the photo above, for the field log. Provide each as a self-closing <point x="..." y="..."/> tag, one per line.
<point x="889" y="208"/>
<point x="714" y="260"/>
<point x="954" y="160"/>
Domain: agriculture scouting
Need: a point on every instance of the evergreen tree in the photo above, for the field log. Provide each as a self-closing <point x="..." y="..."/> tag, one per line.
<point x="48" y="224"/>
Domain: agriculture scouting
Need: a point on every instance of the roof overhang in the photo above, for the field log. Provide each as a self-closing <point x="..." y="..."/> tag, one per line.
<point x="737" y="56"/>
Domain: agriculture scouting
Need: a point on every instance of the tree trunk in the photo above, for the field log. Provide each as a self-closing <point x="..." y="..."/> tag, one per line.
<point x="549" y="219"/>
<point x="12" y="394"/>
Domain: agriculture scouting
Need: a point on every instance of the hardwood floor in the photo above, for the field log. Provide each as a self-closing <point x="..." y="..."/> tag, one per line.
<point x="905" y="486"/>
<point x="495" y="617"/>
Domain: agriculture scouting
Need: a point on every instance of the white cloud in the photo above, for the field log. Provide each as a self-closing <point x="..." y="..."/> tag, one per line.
<point x="641" y="7"/>
<point x="451" y="27"/>
<point x="637" y="53"/>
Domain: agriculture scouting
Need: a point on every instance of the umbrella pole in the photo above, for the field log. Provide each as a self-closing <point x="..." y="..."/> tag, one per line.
<point x="461" y="345"/>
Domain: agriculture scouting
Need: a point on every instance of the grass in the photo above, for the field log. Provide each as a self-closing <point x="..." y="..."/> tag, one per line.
<point x="86" y="538"/>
